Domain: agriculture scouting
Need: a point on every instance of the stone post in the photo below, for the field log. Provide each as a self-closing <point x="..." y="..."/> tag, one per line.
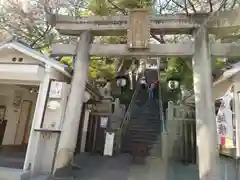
<point x="85" y="129"/>
<point x="131" y="79"/>
<point x="208" y="155"/>
<point x="68" y="138"/>
<point x="32" y="149"/>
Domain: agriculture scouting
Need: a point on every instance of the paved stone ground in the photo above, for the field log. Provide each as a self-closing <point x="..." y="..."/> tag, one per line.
<point x="117" y="168"/>
<point x="14" y="160"/>
<point x="10" y="174"/>
<point x="121" y="167"/>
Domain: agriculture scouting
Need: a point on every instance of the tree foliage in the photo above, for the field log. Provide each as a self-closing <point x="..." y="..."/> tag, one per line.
<point x="29" y="24"/>
<point x="179" y="70"/>
<point x="102" y="68"/>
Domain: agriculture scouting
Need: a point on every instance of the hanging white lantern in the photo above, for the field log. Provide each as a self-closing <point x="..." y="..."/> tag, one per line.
<point x="121" y="81"/>
<point x="173" y="84"/>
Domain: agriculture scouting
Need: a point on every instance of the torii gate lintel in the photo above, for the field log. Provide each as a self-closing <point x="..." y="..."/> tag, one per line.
<point x="163" y="24"/>
<point x="138" y="39"/>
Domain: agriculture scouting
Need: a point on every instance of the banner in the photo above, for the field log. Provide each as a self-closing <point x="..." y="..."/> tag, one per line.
<point x="224" y="120"/>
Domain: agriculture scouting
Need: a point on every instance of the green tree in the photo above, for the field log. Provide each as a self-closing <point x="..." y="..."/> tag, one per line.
<point x="178" y="69"/>
<point x="31" y="26"/>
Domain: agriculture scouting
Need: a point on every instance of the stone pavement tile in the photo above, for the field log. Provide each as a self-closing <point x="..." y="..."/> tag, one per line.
<point x="12" y="162"/>
<point x="119" y="169"/>
<point x="10" y="173"/>
<point x="122" y="168"/>
<point x="152" y="170"/>
<point x="178" y="171"/>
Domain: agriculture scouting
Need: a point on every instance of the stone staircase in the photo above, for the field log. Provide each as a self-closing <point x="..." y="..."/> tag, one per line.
<point x="144" y="129"/>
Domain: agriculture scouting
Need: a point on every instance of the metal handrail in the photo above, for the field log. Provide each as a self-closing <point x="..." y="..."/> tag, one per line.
<point x="127" y="117"/>
<point x="161" y="109"/>
<point x="161" y="100"/>
<point x="129" y="109"/>
<point x="164" y="150"/>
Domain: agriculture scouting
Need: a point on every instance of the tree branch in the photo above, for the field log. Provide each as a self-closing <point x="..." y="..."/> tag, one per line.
<point x="210" y="5"/>
<point x="160" y="40"/>
<point x="48" y="29"/>
<point x="123" y="11"/>
<point x="233" y="4"/>
<point x="181" y="6"/>
<point x="192" y="5"/>
<point x="164" y="7"/>
<point x="178" y="4"/>
<point x="185" y="5"/>
<point x="222" y="5"/>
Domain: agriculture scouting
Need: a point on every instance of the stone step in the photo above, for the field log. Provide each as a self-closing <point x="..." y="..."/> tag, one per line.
<point x="146" y="127"/>
<point x="150" y="153"/>
<point x="143" y="135"/>
<point x="149" y="130"/>
<point x="12" y="162"/>
<point x="145" y="122"/>
<point x="149" y="113"/>
<point x="7" y="149"/>
<point x="42" y="177"/>
<point x="145" y="118"/>
<point x="146" y="132"/>
<point x="150" y="121"/>
<point x="64" y="178"/>
<point x="148" y="141"/>
<point x="149" y="145"/>
<point x="151" y="148"/>
<point x="48" y="177"/>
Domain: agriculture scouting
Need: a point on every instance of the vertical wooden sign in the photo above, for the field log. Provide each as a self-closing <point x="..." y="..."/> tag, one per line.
<point x="138" y="29"/>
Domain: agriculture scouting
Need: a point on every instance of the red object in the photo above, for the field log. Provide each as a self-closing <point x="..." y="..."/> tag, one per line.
<point x="156" y="84"/>
<point x="223" y="140"/>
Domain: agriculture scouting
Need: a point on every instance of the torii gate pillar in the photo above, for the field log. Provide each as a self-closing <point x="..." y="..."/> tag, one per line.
<point x="208" y="156"/>
<point x="68" y="138"/>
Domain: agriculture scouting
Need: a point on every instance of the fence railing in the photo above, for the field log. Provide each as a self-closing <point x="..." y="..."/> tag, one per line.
<point x="181" y="127"/>
<point x="164" y="142"/>
<point x="162" y="117"/>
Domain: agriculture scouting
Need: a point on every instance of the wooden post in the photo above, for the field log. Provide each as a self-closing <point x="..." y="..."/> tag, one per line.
<point x="69" y="132"/>
<point x="208" y="155"/>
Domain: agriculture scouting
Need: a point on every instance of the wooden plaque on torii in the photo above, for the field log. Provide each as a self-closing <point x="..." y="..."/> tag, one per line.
<point x="138" y="32"/>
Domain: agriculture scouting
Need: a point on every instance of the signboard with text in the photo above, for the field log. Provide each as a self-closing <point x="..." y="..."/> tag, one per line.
<point x="56" y="89"/>
<point x="224" y="120"/>
<point x="139" y="30"/>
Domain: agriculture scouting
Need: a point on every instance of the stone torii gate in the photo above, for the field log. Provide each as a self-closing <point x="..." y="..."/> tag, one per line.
<point x="138" y="26"/>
